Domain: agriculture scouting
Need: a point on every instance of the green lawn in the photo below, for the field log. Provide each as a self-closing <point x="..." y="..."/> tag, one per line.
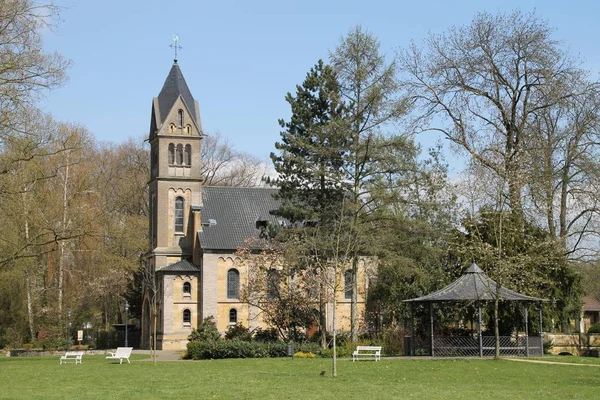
<point x="44" y="378"/>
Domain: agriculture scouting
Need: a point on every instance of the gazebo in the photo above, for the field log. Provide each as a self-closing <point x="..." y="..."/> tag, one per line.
<point x="476" y="287"/>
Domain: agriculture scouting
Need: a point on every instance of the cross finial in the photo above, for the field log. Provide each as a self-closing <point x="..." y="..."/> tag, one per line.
<point x="175" y="45"/>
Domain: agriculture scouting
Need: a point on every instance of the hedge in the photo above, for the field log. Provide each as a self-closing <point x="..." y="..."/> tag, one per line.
<point x="207" y="350"/>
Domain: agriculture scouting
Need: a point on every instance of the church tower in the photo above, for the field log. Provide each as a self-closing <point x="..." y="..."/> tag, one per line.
<point x="175" y="202"/>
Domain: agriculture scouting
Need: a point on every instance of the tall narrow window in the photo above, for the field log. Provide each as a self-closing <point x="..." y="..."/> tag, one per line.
<point x="171" y="154"/>
<point x="187" y="317"/>
<point x="233" y="316"/>
<point x="187" y="288"/>
<point x="179" y="214"/>
<point x="179" y="154"/>
<point x="348" y="284"/>
<point x="272" y="284"/>
<point x="188" y="155"/>
<point x="233" y="284"/>
<point x="180" y="118"/>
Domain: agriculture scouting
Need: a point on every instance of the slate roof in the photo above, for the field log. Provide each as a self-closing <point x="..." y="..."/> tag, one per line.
<point x="474" y="284"/>
<point x="180" y="266"/>
<point x="235" y="210"/>
<point x="174" y="87"/>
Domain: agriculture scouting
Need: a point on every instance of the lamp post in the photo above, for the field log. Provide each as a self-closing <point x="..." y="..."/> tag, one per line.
<point x="68" y="329"/>
<point x="126" y="318"/>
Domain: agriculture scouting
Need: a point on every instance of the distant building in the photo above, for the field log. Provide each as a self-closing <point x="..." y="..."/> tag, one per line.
<point x="590" y="313"/>
<point x="195" y="230"/>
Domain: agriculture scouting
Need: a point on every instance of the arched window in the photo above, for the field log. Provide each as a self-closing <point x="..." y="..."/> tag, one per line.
<point x="187" y="317"/>
<point x="272" y="284"/>
<point x="188" y="154"/>
<point x="233" y="284"/>
<point x="188" y="129"/>
<point x="179" y="154"/>
<point x="179" y="214"/>
<point x="348" y="284"/>
<point x="171" y="154"/>
<point x="187" y="288"/>
<point x="233" y="316"/>
<point x="180" y="112"/>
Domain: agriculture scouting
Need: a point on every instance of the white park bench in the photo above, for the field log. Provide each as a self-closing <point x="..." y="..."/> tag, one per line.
<point x="75" y="356"/>
<point x="121" y="354"/>
<point x="367" y="351"/>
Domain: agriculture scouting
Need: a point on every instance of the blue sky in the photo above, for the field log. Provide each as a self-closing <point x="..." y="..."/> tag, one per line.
<point x="240" y="58"/>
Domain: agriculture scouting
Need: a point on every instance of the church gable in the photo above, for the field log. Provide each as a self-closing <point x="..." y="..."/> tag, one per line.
<point x="179" y="121"/>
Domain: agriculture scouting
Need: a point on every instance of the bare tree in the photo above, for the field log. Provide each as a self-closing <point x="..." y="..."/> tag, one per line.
<point x="277" y="286"/>
<point x="26" y="70"/>
<point x="565" y="183"/>
<point x="330" y="251"/>
<point x="482" y="86"/>
<point x="222" y="165"/>
<point x="369" y="87"/>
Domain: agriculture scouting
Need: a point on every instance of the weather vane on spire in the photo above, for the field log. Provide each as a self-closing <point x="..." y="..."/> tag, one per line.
<point x="175" y="45"/>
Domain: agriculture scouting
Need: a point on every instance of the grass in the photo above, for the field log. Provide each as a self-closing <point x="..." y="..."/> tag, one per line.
<point x="44" y="378"/>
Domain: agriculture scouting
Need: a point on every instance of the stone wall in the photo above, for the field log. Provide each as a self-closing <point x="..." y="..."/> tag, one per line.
<point x="577" y="344"/>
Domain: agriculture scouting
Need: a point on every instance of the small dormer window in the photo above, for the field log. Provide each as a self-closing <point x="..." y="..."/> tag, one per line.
<point x="180" y="115"/>
<point x="261" y="224"/>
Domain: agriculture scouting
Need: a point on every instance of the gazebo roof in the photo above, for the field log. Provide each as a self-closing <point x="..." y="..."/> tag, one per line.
<point x="473" y="285"/>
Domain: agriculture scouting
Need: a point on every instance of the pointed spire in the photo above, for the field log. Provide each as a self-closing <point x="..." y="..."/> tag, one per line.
<point x="174" y="87"/>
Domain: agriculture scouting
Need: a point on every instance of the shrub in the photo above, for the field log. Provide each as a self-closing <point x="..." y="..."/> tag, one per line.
<point x="548" y="345"/>
<point x="302" y="354"/>
<point x="393" y="341"/>
<point x="341" y="351"/>
<point x="594" y="328"/>
<point x="266" y="335"/>
<point x="238" y="332"/>
<point x="206" y="332"/>
<point x="206" y="350"/>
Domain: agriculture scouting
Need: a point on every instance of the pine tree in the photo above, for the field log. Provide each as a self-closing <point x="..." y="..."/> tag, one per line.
<point x="312" y="149"/>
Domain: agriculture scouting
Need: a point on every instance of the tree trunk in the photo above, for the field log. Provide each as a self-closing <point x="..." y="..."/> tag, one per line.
<point x="29" y="307"/>
<point x="28" y="288"/>
<point x="322" y="317"/>
<point x="496" y="326"/>
<point x="334" y="372"/>
<point x="354" y="301"/>
<point x="65" y="220"/>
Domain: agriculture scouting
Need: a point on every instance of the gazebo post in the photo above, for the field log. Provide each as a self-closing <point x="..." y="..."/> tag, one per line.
<point x="541" y="331"/>
<point x="479" y="331"/>
<point x="431" y="323"/>
<point x="526" y="330"/>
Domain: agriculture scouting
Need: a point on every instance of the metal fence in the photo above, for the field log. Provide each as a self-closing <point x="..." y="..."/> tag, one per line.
<point x="467" y="346"/>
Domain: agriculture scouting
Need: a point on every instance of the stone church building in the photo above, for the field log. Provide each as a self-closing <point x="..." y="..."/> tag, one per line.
<point x="195" y="230"/>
